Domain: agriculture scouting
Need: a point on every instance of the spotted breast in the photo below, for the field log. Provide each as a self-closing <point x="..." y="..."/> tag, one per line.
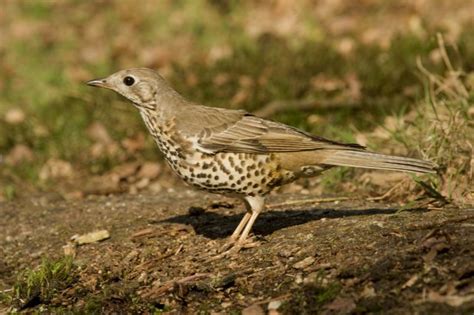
<point x="228" y="173"/>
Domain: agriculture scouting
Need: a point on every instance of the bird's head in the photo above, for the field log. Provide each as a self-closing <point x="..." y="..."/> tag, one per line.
<point x="142" y="86"/>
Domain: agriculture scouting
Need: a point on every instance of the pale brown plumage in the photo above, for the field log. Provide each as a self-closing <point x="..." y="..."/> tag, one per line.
<point x="234" y="152"/>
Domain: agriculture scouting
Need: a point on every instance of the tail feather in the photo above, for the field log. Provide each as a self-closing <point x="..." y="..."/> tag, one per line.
<point x="366" y="159"/>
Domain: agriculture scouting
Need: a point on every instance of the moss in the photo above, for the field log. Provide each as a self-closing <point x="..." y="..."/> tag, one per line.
<point x="310" y="299"/>
<point x="38" y="286"/>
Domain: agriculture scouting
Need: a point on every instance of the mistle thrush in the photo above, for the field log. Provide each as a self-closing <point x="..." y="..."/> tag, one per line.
<point x="233" y="152"/>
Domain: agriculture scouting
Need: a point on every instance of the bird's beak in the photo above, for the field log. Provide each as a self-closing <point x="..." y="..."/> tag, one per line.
<point x="99" y="83"/>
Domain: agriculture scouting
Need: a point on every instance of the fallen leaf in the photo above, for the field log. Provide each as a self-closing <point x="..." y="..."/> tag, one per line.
<point x="308" y="261"/>
<point x="91" y="237"/>
<point x="15" y="116"/>
<point x="18" y="154"/>
<point x="102" y="185"/>
<point x="274" y="305"/>
<point x="97" y="132"/>
<point x="452" y="300"/>
<point x="149" y="170"/>
<point x="56" y="168"/>
<point x="125" y="170"/>
<point x="368" y="291"/>
<point x="342" y="305"/>
<point x="253" y="310"/>
<point x="135" y="144"/>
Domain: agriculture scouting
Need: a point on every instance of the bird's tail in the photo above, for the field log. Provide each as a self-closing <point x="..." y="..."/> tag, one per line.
<point x="365" y="159"/>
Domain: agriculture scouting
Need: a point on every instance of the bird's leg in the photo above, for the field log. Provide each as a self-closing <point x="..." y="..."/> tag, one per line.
<point x="232" y="239"/>
<point x="240" y="227"/>
<point x="235" y="235"/>
<point x="255" y="206"/>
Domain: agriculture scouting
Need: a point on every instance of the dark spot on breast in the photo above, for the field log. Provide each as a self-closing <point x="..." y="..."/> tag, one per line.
<point x="231" y="161"/>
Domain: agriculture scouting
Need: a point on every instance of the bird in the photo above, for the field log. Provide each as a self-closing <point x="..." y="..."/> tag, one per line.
<point x="233" y="152"/>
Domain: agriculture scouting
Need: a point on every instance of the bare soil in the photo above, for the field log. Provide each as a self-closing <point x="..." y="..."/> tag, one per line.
<point x="342" y="257"/>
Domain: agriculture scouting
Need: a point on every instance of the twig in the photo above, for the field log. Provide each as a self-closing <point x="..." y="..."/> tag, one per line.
<point x="315" y="200"/>
<point x="168" y="285"/>
<point x="179" y="249"/>
<point x="386" y="194"/>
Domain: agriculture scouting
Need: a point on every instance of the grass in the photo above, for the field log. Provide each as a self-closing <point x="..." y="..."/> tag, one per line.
<point x="441" y="129"/>
<point x="39" y="286"/>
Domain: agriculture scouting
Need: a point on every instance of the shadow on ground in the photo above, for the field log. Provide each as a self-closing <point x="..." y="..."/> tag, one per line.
<point x="215" y="225"/>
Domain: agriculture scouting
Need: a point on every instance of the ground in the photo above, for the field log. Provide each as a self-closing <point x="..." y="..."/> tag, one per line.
<point x="349" y="256"/>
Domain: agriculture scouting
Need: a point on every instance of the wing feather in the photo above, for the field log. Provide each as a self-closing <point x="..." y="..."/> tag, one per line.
<point x="224" y="130"/>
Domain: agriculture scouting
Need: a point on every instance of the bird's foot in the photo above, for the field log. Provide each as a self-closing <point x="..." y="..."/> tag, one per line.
<point x="233" y="247"/>
<point x="231" y="243"/>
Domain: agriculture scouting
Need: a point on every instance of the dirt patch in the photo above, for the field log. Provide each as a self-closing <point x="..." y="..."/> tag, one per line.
<point x="347" y="257"/>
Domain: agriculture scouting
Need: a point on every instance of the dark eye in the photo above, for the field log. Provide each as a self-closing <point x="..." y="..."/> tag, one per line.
<point x="128" y="81"/>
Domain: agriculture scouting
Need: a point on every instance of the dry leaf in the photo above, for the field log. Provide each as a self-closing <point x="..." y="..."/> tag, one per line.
<point x="98" y="133"/>
<point x="410" y="282"/>
<point x="15" y="116"/>
<point x="135" y="144"/>
<point x="308" y="261"/>
<point x="253" y="310"/>
<point x="91" y="237"/>
<point x="56" y="168"/>
<point x="450" y="299"/>
<point x="149" y="170"/>
<point x="20" y="153"/>
<point x="342" y="305"/>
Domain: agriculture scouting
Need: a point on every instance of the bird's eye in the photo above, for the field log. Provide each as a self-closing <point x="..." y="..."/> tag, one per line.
<point x="128" y="81"/>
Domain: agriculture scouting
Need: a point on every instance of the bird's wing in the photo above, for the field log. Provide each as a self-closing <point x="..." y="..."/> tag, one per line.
<point x="237" y="131"/>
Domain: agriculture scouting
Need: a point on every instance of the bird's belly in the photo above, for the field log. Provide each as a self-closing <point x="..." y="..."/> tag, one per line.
<point x="234" y="173"/>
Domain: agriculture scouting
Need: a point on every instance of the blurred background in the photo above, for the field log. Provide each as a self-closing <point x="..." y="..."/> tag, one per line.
<point x="396" y="76"/>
